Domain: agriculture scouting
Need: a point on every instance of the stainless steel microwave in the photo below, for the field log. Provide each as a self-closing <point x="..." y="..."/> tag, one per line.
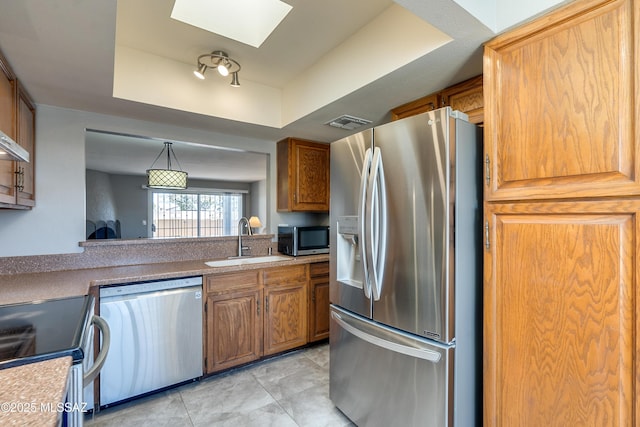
<point x="307" y="240"/>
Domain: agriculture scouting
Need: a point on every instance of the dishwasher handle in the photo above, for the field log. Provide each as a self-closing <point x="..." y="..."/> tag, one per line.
<point x="92" y="373"/>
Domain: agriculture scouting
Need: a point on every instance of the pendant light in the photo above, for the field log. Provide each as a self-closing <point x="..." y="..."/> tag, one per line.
<point x="168" y="178"/>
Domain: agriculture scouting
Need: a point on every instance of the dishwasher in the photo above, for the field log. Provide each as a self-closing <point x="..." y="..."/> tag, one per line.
<point x="156" y="337"/>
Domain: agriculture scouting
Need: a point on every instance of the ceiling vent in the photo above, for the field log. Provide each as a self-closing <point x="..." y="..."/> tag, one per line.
<point x="348" y="122"/>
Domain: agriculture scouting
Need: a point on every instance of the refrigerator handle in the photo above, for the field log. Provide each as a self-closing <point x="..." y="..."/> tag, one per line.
<point x="421" y="353"/>
<point x="362" y="221"/>
<point x="378" y="240"/>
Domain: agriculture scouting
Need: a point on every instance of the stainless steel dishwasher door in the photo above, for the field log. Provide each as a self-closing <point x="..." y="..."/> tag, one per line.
<point x="156" y="337"/>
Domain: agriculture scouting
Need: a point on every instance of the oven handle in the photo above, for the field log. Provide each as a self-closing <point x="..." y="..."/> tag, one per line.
<point x="92" y="373"/>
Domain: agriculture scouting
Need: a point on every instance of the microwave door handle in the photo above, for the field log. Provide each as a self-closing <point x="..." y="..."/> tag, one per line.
<point x="362" y="220"/>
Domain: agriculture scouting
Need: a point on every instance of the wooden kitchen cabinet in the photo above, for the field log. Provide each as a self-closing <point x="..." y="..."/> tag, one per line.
<point x="560" y="314"/>
<point x="25" y="137"/>
<point x="318" y="301"/>
<point x="562" y="105"/>
<point x="466" y="96"/>
<point x="17" y="120"/>
<point x="8" y="126"/>
<point x="285" y="321"/>
<point x="561" y="207"/>
<point x="233" y="317"/>
<point x="254" y="313"/>
<point x="303" y="176"/>
<point x="421" y="105"/>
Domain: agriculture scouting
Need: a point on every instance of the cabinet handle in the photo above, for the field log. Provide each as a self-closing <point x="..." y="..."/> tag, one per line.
<point x="19" y="179"/>
<point x="313" y="295"/>
<point x="266" y="306"/>
<point x="258" y="304"/>
<point x="487" y="170"/>
<point x="487" y="243"/>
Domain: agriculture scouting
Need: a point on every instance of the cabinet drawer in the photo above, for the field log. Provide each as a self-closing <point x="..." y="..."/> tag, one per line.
<point x="319" y="269"/>
<point x="227" y="282"/>
<point x="296" y="273"/>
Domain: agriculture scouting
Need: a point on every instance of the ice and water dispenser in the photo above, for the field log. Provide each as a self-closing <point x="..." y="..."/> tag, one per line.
<point x="349" y="270"/>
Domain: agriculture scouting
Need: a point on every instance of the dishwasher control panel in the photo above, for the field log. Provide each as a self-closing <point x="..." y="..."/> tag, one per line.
<point x="154" y="286"/>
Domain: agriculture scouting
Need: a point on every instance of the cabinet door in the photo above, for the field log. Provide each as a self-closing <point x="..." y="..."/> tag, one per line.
<point x="319" y="308"/>
<point x="424" y="104"/>
<point x="303" y="176"/>
<point x="318" y="301"/>
<point x="311" y="169"/>
<point x="285" y="318"/>
<point x="466" y="97"/>
<point x="234" y="329"/>
<point x="25" y="137"/>
<point x="7" y="125"/>
<point x="559" y="314"/>
<point x="562" y="105"/>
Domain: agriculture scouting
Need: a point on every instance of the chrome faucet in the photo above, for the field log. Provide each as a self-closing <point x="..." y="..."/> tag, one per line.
<point x="249" y="233"/>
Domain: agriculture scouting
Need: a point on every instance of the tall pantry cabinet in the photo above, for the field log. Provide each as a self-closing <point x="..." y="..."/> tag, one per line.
<point x="562" y="219"/>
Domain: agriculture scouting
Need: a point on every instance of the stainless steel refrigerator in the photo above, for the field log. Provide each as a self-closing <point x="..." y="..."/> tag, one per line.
<point x="405" y="290"/>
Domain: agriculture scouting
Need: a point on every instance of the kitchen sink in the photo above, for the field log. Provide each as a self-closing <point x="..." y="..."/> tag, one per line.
<point x="246" y="260"/>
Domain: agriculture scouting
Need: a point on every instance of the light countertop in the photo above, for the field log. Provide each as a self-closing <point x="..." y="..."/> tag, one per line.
<point x="17" y="288"/>
<point x="32" y="394"/>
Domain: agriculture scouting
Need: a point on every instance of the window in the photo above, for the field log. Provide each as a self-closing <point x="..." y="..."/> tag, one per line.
<point x="195" y="214"/>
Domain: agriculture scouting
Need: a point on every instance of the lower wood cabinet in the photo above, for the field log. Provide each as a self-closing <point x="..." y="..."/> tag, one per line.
<point x="254" y="313"/>
<point x="318" y="301"/>
<point x="233" y="317"/>
<point x="560" y="314"/>
<point x="285" y="295"/>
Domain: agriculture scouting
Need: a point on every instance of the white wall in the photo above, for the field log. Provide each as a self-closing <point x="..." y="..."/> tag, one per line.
<point x="57" y="223"/>
<point x="510" y="13"/>
<point x="499" y="15"/>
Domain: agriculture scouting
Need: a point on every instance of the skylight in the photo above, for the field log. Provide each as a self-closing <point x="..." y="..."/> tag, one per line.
<point x="247" y="21"/>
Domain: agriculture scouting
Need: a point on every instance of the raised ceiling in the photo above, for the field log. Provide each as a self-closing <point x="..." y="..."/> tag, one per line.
<point x="326" y="58"/>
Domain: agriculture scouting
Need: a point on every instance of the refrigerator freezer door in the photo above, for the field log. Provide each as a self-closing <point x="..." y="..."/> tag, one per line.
<point x="381" y="377"/>
<point x="347" y="267"/>
<point x="415" y="293"/>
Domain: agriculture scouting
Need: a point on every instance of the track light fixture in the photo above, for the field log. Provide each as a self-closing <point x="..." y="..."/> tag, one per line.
<point x="221" y="62"/>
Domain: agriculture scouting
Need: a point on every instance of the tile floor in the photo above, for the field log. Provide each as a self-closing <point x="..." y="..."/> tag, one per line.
<point x="288" y="390"/>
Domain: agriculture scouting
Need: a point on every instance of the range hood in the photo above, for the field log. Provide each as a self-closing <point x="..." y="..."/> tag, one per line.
<point x="10" y="150"/>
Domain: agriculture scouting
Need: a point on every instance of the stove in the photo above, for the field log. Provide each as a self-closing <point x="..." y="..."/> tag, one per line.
<point x="47" y="329"/>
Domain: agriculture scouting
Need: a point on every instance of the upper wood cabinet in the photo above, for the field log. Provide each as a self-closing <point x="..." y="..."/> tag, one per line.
<point x="303" y="176"/>
<point x="562" y="103"/>
<point x="17" y="120"/>
<point x="25" y="137"/>
<point x="427" y="103"/>
<point x="7" y="125"/>
<point x="466" y="96"/>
